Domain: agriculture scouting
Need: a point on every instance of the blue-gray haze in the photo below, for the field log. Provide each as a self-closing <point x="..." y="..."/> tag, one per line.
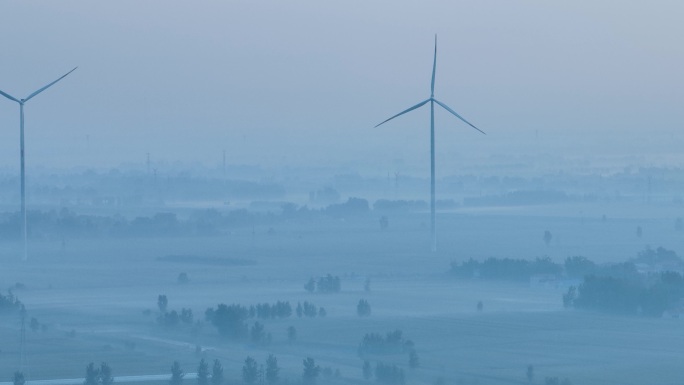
<point x="302" y="82"/>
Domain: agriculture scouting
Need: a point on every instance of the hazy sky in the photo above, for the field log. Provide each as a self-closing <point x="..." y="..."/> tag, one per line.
<point x="304" y="82"/>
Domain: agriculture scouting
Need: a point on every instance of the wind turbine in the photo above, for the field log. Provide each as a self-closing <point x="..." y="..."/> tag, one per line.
<point x="21" y="153"/>
<point x="432" y="102"/>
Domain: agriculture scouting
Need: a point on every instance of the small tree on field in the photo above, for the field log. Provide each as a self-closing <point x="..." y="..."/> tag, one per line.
<point x="413" y="359"/>
<point x="162" y="303"/>
<point x="106" y="377"/>
<point x="363" y="308"/>
<point x="18" y="378"/>
<point x="367" y="370"/>
<point x="34" y="324"/>
<point x="92" y="375"/>
<point x="176" y="374"/>
<point x="272" y="369"/>
<point x="249" y="371"/>
<point x="257" y="333"/>
<point x="311" y="371"/>
<point x="530" y="373"/>
<point x="217" y="373"/>
<point x="183" y="278"/>
<point x="291" y="334"/>
<point x="547" y="237"/>
<point x="203" y="373"/>
<point x="310" y="286"/>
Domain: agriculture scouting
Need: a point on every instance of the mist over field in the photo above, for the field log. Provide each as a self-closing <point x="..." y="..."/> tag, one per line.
<point x="209" y="201"/>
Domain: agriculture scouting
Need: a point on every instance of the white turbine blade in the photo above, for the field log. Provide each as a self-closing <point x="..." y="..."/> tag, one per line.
<point x="8" y="96"/>
<point x="405" y="111"/>
<point x="434" y="68"/>
<point x="457" y="115"/>
<point x="48" y="86"/>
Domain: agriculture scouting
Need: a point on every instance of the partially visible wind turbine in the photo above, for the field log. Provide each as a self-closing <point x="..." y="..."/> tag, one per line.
<point x="432" y="102"/>
<point x="21" y="153"/>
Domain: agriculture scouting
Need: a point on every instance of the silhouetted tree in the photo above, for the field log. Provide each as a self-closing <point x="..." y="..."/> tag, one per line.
<point x="186" y="316"/>
<point x="569" y="297"/>
<point x="311" y="371"/>
<point x="480" y="306"/>
<point x="183" y="278"/>
<point x="300" y="310"/>
<point x="367" y="370"/>
<point x="389" y="374"/>
<point x="413" y="359"/>
<point x="217" y="373"/>
<point x="272" y="369"/>
<point x="106" y="377"/>
<point x="34" y="324"/>
<point x="257" y="333"/>
<point x="203" y="373"/>
<point x="310" y="286"/>
<point x="18" y="378"/>
<point x="384" y="223"/>
<point x="547" y="237"/>
<point x="249" y="371"/>
<point x="530" y="373"/>
<point x="363" y="308"/>
<point x="176" y="374"/>
<point x="367" y="285"/>
<point x="162" y="303"/>
<point x="92" y="375"/>
<point x="291" y="334"/>
<point x="639" y="231"/>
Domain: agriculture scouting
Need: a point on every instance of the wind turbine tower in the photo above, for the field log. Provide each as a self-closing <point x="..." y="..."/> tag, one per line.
<point x="21" y="154"/>
<point x="432" y="102"/>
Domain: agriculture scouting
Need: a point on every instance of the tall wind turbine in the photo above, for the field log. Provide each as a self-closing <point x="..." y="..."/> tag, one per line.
<point x="21" y="153"/>
<point x="432" y="102"/>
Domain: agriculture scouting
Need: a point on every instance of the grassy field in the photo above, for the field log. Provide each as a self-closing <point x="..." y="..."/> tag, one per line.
<point x="100" y="289"/>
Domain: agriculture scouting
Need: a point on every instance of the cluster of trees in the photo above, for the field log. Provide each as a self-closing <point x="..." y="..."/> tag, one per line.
<point x="231" y="320"/>
<point x="649" y="295"/>
<point x="98" y="375"/>
<point x="505" y="268"/>
<point x="10" y="303"/>
<point x="389" y="374"/>
<point x="384" y="373"/>
<point x="204" y="377"/>
<point x="363" y="308"/>
<point x="573" y="267"/>
<point x="352" y="207"/>
<point x="267" y="311"/>
<point x="327" y="284"/>
<point x="391" y="343"/>
<point x="252" y="372"/>
<point x="172" y="318"/>
<point x="308" y="309"/>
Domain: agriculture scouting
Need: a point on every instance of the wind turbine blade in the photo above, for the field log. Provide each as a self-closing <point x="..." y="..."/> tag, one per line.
<point x="405" y="111"/>
<point x="457" y="115"/>
<point x="48" y="86"/>
<point x="8" y="96"/>
<point x="434" y="68"/>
